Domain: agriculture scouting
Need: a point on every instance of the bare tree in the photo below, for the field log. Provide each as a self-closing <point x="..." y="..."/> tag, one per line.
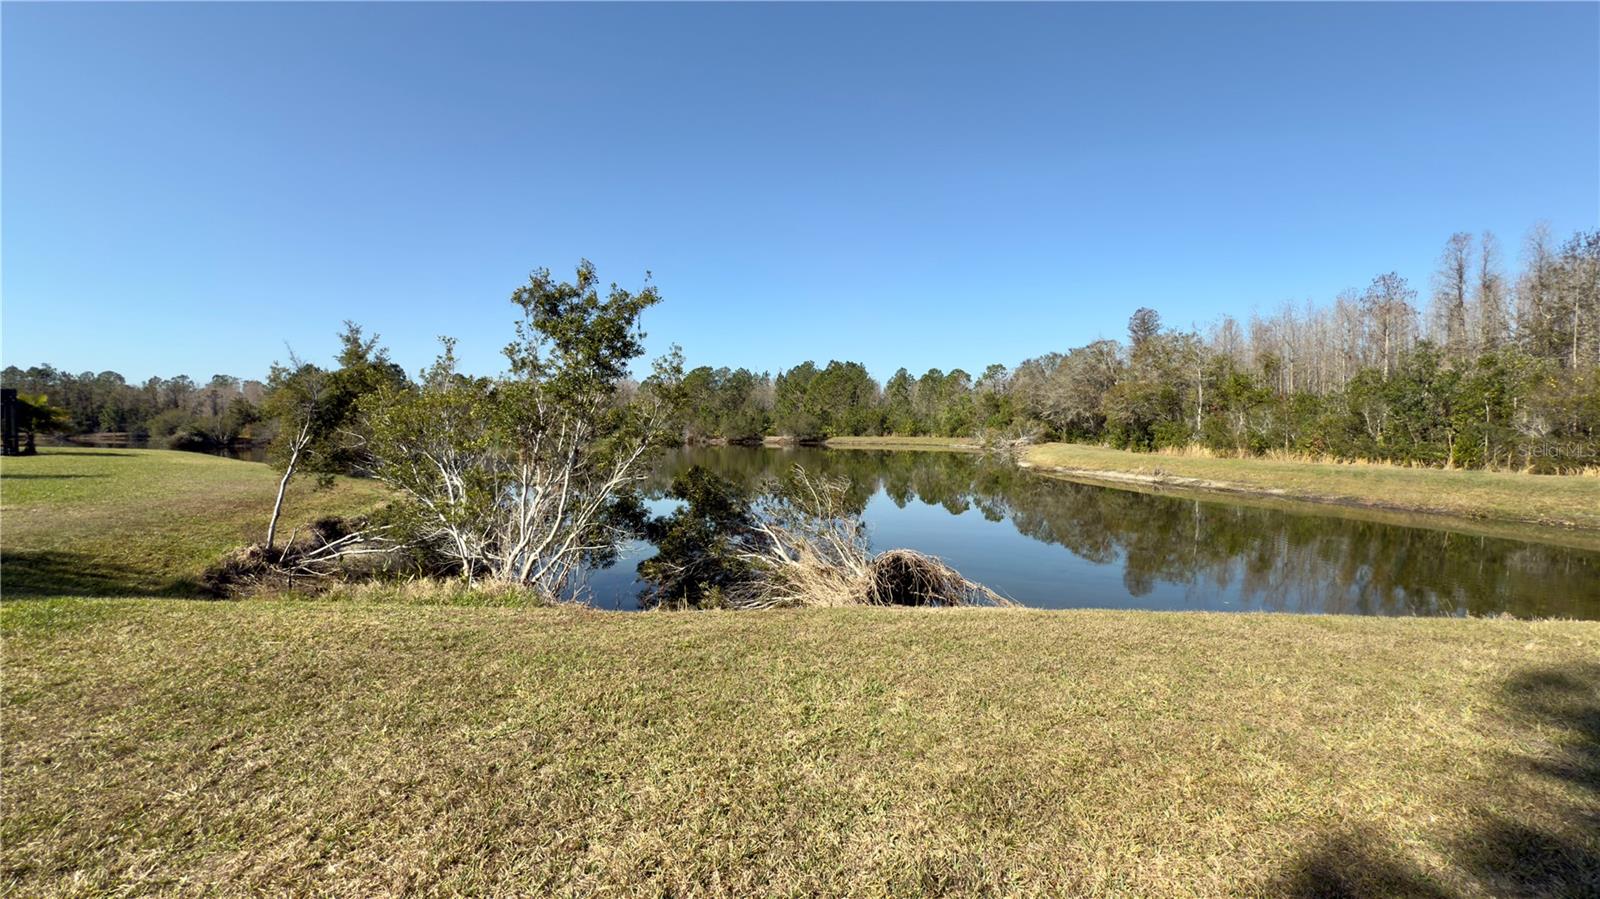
<point x="1351" y="330"/>
<point x="1227" y="339"/>
<point x="298" y="402"/>
<point x="1578" y="286"/>
<point x="1490" y="314"/>
<point x="1450" y="295"/>
<point x="1389" y="307"/>
<point x="1536" y="292"/>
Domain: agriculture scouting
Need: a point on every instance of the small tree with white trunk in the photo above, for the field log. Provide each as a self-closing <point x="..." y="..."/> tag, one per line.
<point x="529" y="478"/>
<point x="317" y="412"/>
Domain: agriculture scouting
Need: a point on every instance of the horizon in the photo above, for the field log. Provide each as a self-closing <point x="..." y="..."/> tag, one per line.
<point x="403" y="167"/>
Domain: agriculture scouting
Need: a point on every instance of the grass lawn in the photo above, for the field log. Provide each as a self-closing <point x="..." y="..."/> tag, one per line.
<point x="262" y="747"/>
<point x="918" y="443"/>
<point x="127" y="522"/>
<point x="1562" y="501"/>
<point x="271" y="747"/>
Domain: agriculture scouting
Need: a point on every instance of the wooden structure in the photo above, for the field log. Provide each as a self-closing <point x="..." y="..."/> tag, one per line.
<point x="8" y="422"/>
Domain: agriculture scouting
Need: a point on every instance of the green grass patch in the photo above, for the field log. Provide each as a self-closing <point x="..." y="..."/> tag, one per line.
<point x="1570" y="501"/>
<point x="957" y="444"/>
<point x="351" y="750"/>
<point x="128" y="522"/>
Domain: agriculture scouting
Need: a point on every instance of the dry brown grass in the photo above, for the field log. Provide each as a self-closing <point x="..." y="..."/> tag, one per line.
<point x="953" y="444"/>
<point x="808" y="549"/>
<point x="243" y="749"/>
<point x="430" y="591"/>
<point x="1561" y="501"/>
<point x="1200" y="451"/>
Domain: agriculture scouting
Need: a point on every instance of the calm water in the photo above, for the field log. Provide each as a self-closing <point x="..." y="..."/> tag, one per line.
<point x="249" y="452"/>
<point x="1056" y="544"/>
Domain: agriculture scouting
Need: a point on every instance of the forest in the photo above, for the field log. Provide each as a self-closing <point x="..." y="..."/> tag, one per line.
<point x="1489" y="368"/>
<point x="175" y="412"/>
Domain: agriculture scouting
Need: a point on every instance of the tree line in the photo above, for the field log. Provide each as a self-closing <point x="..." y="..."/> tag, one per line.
<point x="1490" y="369"/>
<point x="532" y="477"/>
<point x="177" y="412"/>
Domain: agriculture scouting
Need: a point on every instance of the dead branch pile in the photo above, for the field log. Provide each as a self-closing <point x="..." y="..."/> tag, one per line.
<point x="1009" y="444"/>
<point x="905" y="577"/>
<point x="810" y="550"/>
<point x="329" y="549"/>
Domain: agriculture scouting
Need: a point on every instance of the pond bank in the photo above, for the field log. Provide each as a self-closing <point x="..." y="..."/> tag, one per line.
<point x="1568" y="502"/>
<point x="947" y="444"/>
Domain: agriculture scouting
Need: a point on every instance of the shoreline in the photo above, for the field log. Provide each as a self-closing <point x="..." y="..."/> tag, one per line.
<point x="931" y="444"/>
<point x="1561" y="509"/>
<point x="1343" y="507"/>
<point x="1515" y="502"/>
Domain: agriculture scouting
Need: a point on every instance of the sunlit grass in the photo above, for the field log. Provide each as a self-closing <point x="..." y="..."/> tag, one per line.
<point x="1565" y="501"/>
<point x="892" y="442"/>
<point x="354" y="750"/>
<point x="141" y="522"/>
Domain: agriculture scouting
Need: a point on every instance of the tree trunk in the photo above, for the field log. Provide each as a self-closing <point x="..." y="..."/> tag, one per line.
<point x="1575" y="305"/>
<point x="301" y="440"/>
<point x="277" y="505"/>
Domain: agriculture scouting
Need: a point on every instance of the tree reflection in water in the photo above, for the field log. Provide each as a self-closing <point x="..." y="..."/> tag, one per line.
<point x="1219" y="555"/>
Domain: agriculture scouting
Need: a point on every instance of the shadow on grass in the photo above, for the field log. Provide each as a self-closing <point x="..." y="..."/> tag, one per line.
<point x="33" y="574"/>
<point x="1502" y="856"/>
<point x="49" y="477"/>
<point x="1349" y="865"/>
<point x="81" y="451"/>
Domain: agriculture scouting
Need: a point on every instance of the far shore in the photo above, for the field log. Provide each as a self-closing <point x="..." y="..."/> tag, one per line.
<point x="1554" y="508"/>
<point x="1569" y="503"/>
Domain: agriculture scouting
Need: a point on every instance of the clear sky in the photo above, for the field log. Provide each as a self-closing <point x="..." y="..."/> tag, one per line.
<point x="188" y="187"/>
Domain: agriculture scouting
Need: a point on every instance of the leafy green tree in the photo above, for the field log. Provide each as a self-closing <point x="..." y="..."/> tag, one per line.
<point x="529" y="478"/>
<point x="317" y="413"/>
<point x="36" y="415"/>
<point x="744" y="411"/>
<point x="1144" y="324"/>
<point x="792" y="414"/>
<point x="843" y="399"/>
<point x="899" y="408"/>
<point x="957" y="408"/>
<point x="994" y="408"/>
<point x="1486" y="408"/>
<point x="929" y="399"/>
<point x="1422" y="400"/>
<point x="1240" y="404"/>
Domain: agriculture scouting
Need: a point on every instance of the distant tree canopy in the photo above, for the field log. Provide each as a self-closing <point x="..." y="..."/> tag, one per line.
<point x="1500" y="369"/>
<point x="173" y="411"/>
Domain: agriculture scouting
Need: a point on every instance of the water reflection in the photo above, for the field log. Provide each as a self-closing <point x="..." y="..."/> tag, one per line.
<point x="1053" y="543"/>
<point x="243" y="450"/>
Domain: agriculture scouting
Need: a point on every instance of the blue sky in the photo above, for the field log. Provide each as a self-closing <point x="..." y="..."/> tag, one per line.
<point x="189" y="187"/>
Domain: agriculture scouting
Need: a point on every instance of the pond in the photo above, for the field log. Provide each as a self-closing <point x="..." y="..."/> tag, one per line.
<point x="1052" y="543"/>
<point x="243" y="449"/>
